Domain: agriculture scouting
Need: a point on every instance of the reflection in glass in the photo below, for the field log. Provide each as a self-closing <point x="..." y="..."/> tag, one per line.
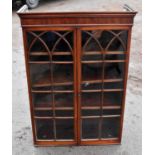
<point x="44" y="129"/>
<point x="110" y="127"/>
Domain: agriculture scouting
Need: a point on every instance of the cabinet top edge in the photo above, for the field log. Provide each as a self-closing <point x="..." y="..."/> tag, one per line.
<point x="73" y="14"/>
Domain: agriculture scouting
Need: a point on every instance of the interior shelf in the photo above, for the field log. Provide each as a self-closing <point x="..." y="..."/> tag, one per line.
<point x="40" y="53"/>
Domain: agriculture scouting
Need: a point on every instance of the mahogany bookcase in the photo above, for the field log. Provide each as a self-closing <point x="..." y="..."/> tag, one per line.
<point x="77" y="68"/>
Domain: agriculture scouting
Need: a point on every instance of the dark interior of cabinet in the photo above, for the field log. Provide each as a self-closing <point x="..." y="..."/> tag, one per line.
<point x="51" y="62"/>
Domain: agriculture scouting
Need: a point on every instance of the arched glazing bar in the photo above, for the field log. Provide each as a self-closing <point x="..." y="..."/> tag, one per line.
<point x="92" y="36"/>
<point x="51" y="54"/>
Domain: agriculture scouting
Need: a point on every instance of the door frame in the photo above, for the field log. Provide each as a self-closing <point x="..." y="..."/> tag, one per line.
<point x="79" y="76"/>
<point x="31" y="106"/>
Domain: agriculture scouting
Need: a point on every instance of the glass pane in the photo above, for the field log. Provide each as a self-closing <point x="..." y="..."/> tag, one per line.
<point x="90" y="128"/>
<point x="40" y="74"/>
<point x="88" y="42"/>
<point x="44" y="129"/>
<point x="96" y="57"/>
<point x="64" y="113"/>
<point x="114" y="70"/>
<point x="65" y="129"/>
<point x="113" y="98"/>
<point x="91" y="99"/>
<point x="110" y="127"/>
<point x="42" y="100"/>
<point x="111" y="112"/>
<point x="64" y="100"/>
<point x="92" y="86"/>
<point x="91" y="112"/>
<point x="43" y="113"/>
<point x="63" y="73"/>
<point x="91" y="71"/>
<point x="52" y="40"/>
<point x="115" y="56"/>
<point x="109" y="40"/>
<point x="113" y="85"/>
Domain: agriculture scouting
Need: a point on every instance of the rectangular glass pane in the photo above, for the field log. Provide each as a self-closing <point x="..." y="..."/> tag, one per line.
<point x="110" y="127"/>
<point x="90" y="128"/>
<point x="62" y="73"/>
<point x="64" y="100"/>
<point x="40" y="75"/>
<point x="91" y="99"/>
<point x="92" y="71"/>
<point x="42" y="100"/>
<point x="113" y="98"/>
<point x="65" y="128"/>
<point x="114" y="70"/>
<point x="64" y="113"/>
<point x="44" y="129"/>
<point x="43" y="113"/>
<point x="113" y="85"/>
<point x="91" y="112"/>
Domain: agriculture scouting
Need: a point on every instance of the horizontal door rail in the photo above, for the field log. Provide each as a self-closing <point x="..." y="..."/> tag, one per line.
<point x="56" y="140"/>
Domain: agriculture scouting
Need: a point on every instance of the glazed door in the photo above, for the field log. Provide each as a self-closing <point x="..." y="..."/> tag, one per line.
<point x="77" y="81"/>
<point x="51" y="71"/>
<point x="102" y="60"/>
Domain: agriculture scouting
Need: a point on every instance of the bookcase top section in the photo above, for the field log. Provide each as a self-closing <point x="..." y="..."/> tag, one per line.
<point x="115" y="14"/>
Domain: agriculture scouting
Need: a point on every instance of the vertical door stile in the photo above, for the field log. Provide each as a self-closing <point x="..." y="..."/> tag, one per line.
<point x="52" y="95"/>
<point x="26" y="53"/>
<point x="125" y="80"/>
<point x="102" y="97"/>
<point x="78" y="58"/>
<point x="75" y="86"/>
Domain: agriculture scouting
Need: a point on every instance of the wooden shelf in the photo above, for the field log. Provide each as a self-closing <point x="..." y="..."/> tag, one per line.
<point x="100" y="61"/>
<point x="59" y="79"/>
<point x="36" y="117"/>
<point x="51" y="62"/>
<point x="54" y="91"/>
<point x="100" y="81"/>
<point x="56" y="108"/>
<point x="37" y="53"/>
<point x="103" y="116"/>
<point x="104" y="90"/>
<point x="72" y="108"/>
<point x="99" y="107"/>
<point x="103" y="52"/>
